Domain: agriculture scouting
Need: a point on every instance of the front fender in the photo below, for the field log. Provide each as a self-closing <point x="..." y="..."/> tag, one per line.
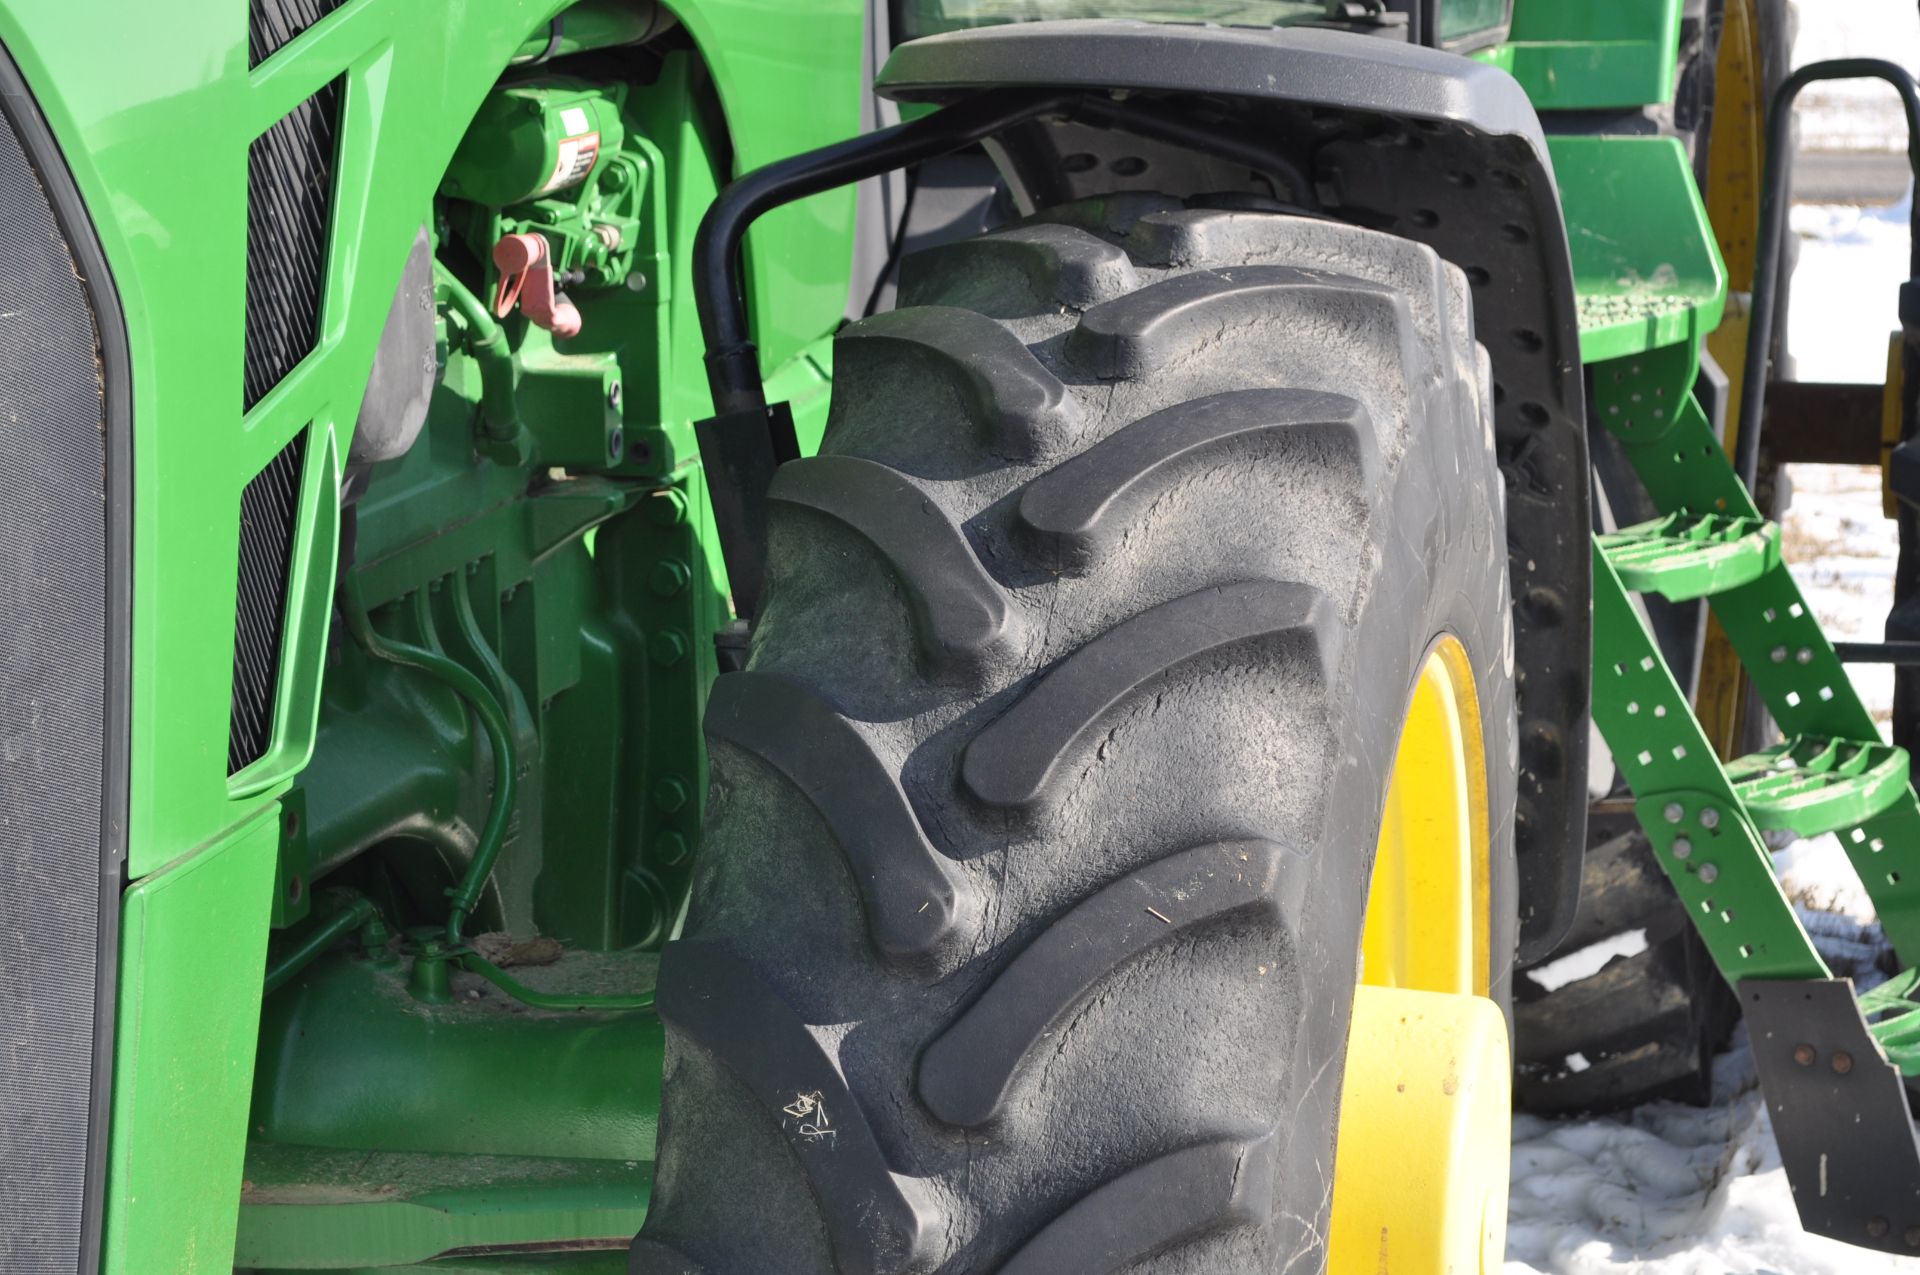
<point x="1424" y="144"/>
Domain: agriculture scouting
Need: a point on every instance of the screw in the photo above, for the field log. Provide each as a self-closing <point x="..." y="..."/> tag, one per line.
<point x="670" y="794"/>
<point x="1682" y="847"/>
<point x="1805" y="1054"/>
<point x="1675" y="812"/>
<point x="1779" y="655"/>
<point x="669" y="848"/>
<point x="1842" y="1062"/>
<point x="668" y="577"/>
<point x="1804" y="655"/>
<point x="667" y="647"/>
<point x="1709" y="818"/>
<point x="1878" y="1227"/>
<point x="1708" y="874"/>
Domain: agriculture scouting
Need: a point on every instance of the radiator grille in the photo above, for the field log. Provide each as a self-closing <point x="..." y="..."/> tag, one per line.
<point x="289" y="202"/>
<point x="275" y="22"/>
<point x="269" y="513"/>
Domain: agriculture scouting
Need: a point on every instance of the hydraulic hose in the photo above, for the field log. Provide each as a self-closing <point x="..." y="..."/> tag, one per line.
<point x="493" y="720"/>
<point x="356" y="912"/>
<point x="487" y="343"/>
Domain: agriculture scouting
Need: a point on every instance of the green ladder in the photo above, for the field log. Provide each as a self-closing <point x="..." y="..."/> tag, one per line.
<point x="1704" y="818"/>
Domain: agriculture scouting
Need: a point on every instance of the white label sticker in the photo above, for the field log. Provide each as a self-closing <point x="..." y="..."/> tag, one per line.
<point x="574" y="121"/>
<point x="574" y="161"/>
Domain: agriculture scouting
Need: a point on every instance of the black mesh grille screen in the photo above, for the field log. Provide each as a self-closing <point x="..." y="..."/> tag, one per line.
<point x="269" y="512"/>
<point x="289" y="199"/>
<point x="53" y="678"/>
<point x="277" y="21"/>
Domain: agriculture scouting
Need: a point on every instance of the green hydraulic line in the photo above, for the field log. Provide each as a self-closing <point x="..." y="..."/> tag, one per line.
<point x="487" y="343"/>
<point x="358" y="911"/>
<point x="493" y="721"/>
<point x="549" y="1000"/>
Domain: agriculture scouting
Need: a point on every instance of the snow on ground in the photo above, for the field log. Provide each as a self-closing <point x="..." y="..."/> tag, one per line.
<point x="1675" y="1190"/>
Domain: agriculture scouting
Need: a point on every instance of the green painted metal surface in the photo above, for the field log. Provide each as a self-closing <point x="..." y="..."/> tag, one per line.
<point x="1686" y="556"/>
<point x="1645" y="401"/>
<point x="1646" y="265"/>
<point x="310" y="1208"/>
<point x="193" y="944"/>
<point x="1575" y="55"/>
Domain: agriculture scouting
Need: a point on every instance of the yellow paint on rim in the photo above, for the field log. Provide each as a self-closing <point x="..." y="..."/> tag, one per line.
<point x="1425" y="1116"/>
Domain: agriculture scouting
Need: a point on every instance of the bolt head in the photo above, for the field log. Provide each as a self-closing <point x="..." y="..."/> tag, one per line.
<point x="1779" y="654"/>
<point x="1842" y="1062"/>
<point x="1804" y="655"/>
<point x="1682" y="848"/>
<point x="1709" y="818"/>
<point x="1805" y="1054"/>
<point x="1675" y="812"/>
<point x="1709" y="874"/>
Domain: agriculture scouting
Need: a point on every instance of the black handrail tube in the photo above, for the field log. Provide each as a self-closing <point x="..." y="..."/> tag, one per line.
<point x="1773" y="224"/>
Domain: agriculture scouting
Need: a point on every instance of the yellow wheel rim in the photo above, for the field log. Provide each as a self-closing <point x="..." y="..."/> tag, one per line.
<point x="1421" y="1181"/>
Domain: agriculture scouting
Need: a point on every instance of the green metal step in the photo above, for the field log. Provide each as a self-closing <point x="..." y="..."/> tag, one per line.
<point x="1685" y="556"/>
<point x="1810" y="785"/>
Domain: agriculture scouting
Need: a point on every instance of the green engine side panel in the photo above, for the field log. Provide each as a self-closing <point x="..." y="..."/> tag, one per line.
<point x="193" y="941"/>
<point x="156" y="122"/>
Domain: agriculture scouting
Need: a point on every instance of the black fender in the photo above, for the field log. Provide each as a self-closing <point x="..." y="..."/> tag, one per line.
<point x="1421" y="143"/>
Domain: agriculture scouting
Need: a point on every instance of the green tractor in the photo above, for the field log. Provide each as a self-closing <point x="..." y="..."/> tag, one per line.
<point x="863" y="639"/>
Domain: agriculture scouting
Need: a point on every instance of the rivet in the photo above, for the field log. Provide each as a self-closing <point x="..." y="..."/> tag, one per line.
<point x="1675" y="812"/>
<point x="1842" y="1062"/>
<point x="1682" y="847"/>
<point x="1709" y="818"/>
<point x="1804" y="655"/>
<point x="1708" y="874"/>
<point x="1805" y="1054"/>
<point x="1779" y="655"/>
<point x="1878" y="1227"/>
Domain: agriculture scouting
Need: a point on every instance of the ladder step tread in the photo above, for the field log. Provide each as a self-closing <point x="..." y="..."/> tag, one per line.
<point x="1812" y="784"/>
<point x="1683" y="556"/>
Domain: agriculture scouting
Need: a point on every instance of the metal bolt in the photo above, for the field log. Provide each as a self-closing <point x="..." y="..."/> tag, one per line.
<point x="667" y="508"/>
<point x="1708" y="874"/>
<point x="1805" y="1054"/>
<point x="670" y="794"/>
<point x="1842" y="1062"/>
<point x="1675" y="812"/>
<point x="667" y="647"/>
<point x="1709" y="818"/>
<point x="668" y="577"/>
<point x="1878" y="1227"/>
<point x="1682" y="847"/>
<point x="669" y="848"/>
<point x="636" y="282"/>
<point x="1779" y="655"/>
<point x="1804" y="655"/>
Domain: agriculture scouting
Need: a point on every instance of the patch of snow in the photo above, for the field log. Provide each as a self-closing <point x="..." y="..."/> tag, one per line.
<point x="1844" y="300"/>
<point x="1587" y="962"/>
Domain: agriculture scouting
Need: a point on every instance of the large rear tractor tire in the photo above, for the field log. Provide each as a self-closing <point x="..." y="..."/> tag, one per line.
<point x="1041" y="851"/>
